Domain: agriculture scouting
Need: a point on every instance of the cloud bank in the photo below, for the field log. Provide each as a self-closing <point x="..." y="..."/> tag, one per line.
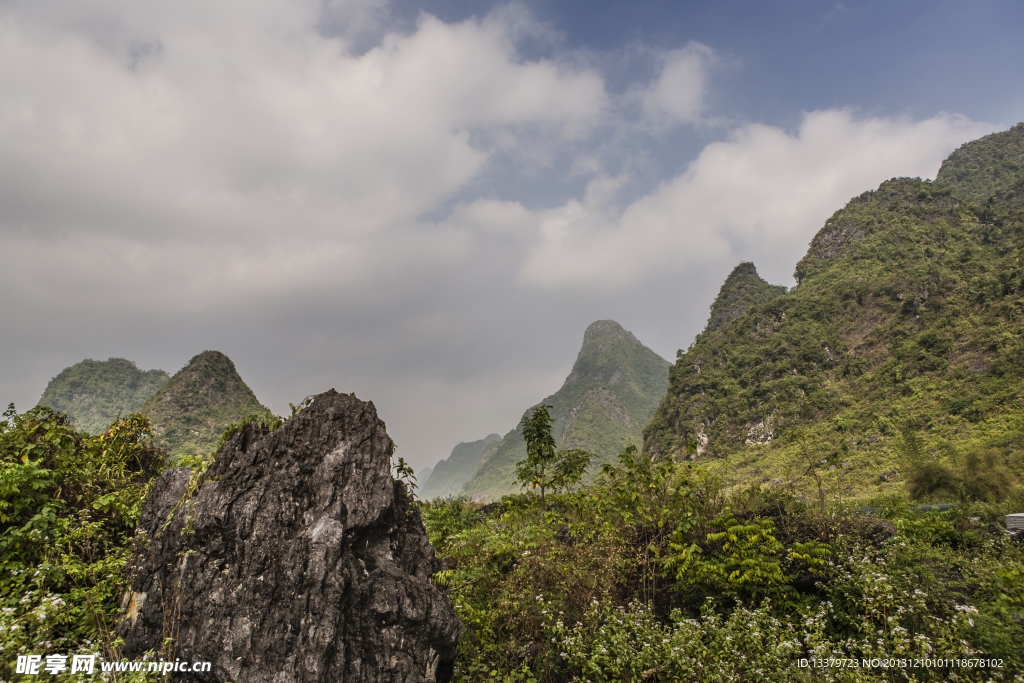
<point x="335" y="199"/>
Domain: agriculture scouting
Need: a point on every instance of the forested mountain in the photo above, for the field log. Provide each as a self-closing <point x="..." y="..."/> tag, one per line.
<point x="907" y="317"/>
<point x="191" y="411"/>
<point x="448" y="476"/>
<point x="606" y="400"/>
<point x="94" y="392"/>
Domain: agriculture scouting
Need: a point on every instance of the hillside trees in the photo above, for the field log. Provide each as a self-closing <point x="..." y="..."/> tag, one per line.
<point x="910" y="312"/>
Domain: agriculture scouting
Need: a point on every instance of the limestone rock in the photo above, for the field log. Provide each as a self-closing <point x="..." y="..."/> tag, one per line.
<point x="298" y="559"/>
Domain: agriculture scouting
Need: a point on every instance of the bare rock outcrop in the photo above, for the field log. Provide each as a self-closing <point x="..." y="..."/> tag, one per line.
<point x="296" y="559"/>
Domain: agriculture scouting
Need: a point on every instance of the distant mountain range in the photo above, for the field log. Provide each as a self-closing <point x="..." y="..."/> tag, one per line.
<point x="189" y="411"/>
<point x="606" y="400"/>
<point x="447" y="476"/>
<point x="94" y="392"/>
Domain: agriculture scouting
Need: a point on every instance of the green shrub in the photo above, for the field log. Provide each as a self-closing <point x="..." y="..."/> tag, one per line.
<point x="654" y="573"/>
<point x="928" y="480"/>
<point x="984" y="476"/>
<point x="69" y="503"/>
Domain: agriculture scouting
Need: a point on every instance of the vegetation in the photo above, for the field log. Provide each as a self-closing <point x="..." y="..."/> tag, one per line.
<point x="655" y="572"/>
<point x="545" y="468"/>
<point x="609" y="396"/>
<point x="93" y="393"/>
<point x="988" y="171"/>
<point x="191" y="411"/>
<point x="898" y="356"/>
<point x="69" y="503"/>
<point x="909" y="314"/>
<point x="729" y="548"/>
<point x="742" y="290"/>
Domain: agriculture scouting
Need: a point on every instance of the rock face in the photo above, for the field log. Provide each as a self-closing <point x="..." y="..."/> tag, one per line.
<point x="297" y="559"/>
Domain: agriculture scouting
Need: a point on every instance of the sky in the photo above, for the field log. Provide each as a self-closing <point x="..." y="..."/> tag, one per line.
<point x="427" y="203"/>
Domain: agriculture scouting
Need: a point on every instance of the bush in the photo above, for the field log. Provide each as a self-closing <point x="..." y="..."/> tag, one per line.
<point x="69" y="503"/>
<point x="928" y="480"/>
<point x="655" y="573"/>
<point x="984" y="476"/>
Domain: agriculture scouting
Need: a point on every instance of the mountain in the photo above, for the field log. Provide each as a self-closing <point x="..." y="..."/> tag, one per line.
<point x="742" y="290"/>
<point x="989" y="170"/>
<point x="192" y="410"/>
<point x="449" y="475"/>
<point x="908" y="315"/>
<point x="94" y="392"/>
<point x="609" y="396"/>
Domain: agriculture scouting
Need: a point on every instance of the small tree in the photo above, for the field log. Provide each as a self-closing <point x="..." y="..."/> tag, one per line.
<point x="569" y="467"/>
<point x="807" y="460"/>
<point x="545" y="468"/>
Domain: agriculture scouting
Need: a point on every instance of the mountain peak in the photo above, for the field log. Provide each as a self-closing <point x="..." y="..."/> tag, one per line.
<point x="603" y="334"/>
<point x="611" y="393"/>
<point x="607" y="353"/>
<point x="211" y="358"/>
<point x="740" y="292"/>
<point x="191" y="411"/>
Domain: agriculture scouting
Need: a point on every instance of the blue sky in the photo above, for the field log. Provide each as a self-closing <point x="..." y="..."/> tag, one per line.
<point x="427" y="203"/>
<point x="902" y="57"/>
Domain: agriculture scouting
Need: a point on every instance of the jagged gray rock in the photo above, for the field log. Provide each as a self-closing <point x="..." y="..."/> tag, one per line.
<point x="298" y="559"/>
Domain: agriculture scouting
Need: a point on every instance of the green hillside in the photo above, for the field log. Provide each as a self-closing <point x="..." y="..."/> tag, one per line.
<point x="742" y="290"/>
<point x="606" y="400"/>
<point x="448" y="476"/>
<point x="95" y="392"/>
<point x="989" y="170"/>
<point x="191" y="411"/>
<point x="908" y="316"/>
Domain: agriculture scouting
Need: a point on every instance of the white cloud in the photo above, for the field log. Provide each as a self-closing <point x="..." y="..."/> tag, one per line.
<point x="323" y="196"/>
<point x="761" y="195"/>
<point x="492" y="215"/>
<point x="677" y="95"/>
<point x="240" y="129"/>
